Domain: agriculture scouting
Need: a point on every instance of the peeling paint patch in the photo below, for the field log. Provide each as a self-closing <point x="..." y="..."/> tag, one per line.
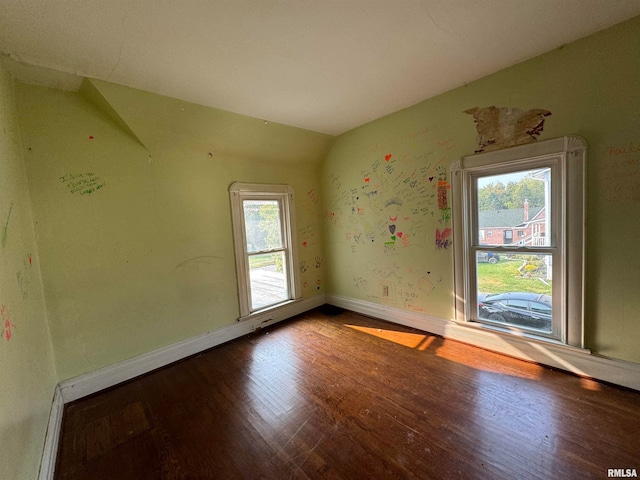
<point x="503" y="127"/>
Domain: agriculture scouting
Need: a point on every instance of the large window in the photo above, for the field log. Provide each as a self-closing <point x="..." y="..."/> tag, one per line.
<point x="264" y="234"/>
<point x="530" y="284"/>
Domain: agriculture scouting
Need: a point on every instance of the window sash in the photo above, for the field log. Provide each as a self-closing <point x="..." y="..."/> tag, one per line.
<point x="240" y="192"/>
<point x="566" y="157"/>
<point x="471" y="177"/>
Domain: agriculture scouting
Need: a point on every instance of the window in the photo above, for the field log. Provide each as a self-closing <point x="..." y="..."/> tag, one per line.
<point x="264" y="234"/>
<point x="536" y="289"/>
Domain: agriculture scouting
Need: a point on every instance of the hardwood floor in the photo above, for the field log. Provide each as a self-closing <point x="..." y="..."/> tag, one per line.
<point x="343" y="396"/>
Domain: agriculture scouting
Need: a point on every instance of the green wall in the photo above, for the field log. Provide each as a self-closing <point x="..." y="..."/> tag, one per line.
<point x="126" y="193"/>
<point x="27" y="374"/>
<point x="131" y="205"/>
<point x="391" y="167"/>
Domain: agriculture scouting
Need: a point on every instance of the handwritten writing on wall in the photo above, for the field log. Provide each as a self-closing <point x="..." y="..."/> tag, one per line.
<point x="5" y="230"/>
<point x="83" y="183"/>
<point x="393" y="284"/>
<point x="311" y="274"/>
<point x="6" y="326"/>
<point x="308" y="235"/>
<point x="388" y="206"/>
<point x="620" y="169"/>
<point x="23" y="276"/>
<point x="387" y="213"/>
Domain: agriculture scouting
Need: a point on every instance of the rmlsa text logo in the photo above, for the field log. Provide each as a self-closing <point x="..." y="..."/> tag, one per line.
<point x="622" y="472"/>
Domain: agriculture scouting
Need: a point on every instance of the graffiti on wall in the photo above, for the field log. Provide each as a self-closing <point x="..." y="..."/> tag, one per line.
<point x="6" y="326"/>
<point x="82" y="183"/>
<point x="398" y="205"/>
<point x="619" y="168"/>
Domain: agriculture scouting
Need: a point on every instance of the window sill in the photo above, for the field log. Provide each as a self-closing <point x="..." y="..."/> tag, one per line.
<point x="269" y="312"/>
<point x="507" y="335"/>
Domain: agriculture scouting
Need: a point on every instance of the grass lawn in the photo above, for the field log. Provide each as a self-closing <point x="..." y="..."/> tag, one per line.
<point x="257" y="261"/>
<point x="504" y="277"/>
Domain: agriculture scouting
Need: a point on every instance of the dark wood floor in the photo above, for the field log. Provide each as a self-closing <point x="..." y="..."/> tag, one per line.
<point x="349" y="397"/>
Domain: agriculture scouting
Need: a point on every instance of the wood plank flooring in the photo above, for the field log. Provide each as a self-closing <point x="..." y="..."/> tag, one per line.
<point x="334" y="395"/>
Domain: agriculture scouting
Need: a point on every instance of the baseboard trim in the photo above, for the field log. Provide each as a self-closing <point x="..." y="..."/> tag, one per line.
<point x="52" y="437"/>
<point x="93" y="382"/>
<point x="575" y="360"/>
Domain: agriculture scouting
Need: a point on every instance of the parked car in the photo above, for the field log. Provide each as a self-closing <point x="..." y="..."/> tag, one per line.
<point x="521" y="309"/>
<point x="489" y="257"/>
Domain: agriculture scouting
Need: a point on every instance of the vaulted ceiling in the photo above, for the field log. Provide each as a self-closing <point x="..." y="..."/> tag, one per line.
<point x="323" y="65"/>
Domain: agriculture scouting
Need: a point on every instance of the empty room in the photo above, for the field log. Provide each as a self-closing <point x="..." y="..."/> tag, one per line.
<point x="339" y="239"/>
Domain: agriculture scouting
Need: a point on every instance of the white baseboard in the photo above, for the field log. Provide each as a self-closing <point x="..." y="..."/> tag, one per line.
<point x="50" y="450"/>
<point x="93" y="382"/>
<point x="575" y="360"/>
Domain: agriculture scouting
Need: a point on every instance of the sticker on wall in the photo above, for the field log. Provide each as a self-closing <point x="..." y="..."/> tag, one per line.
<point x="503" y="127"/>
<point x="83" y="183"/>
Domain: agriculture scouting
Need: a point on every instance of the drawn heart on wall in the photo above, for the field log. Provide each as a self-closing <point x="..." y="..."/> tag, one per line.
<point x="400" y="234"/>
<point x="387" y="157"/>
<point x="431" y="179"/>
<point x="392" y="229"/>
<point x="393" y="237"/>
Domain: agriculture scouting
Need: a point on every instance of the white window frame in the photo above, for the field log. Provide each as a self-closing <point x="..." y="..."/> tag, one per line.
<point x="566" y="156"/>
<point x="284" y="194"/>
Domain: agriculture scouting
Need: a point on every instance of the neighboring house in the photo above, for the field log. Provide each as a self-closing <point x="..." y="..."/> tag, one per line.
<point x="517" y="225"/>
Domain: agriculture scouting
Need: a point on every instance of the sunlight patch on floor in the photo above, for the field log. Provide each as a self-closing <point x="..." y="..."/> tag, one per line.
<point x="406" y="339"/>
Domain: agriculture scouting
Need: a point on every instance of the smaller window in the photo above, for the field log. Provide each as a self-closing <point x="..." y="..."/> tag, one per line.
<point x="264" y="234"/>
<point x="489" y="233"/>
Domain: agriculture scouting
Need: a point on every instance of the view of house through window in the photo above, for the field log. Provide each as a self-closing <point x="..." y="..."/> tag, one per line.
<point x="266" y="252"/>
<point x="515" y="287"/>
<point x="519" y="226"/>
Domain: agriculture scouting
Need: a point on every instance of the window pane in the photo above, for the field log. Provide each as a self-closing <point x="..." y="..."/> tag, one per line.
<point x="262" y="224"/>
<point x="515" y="290"/>
<point x="267" y="273"/>
<point x="514" y="201"/>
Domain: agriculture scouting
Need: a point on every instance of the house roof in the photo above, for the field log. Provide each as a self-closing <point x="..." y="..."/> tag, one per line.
<point x="513" y="217"/>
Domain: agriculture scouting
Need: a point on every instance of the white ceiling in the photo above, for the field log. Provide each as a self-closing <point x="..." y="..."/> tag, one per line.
<point x="323" y="65"/>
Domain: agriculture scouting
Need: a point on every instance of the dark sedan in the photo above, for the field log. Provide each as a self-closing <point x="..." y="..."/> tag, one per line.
<point x="519" y="309"/>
